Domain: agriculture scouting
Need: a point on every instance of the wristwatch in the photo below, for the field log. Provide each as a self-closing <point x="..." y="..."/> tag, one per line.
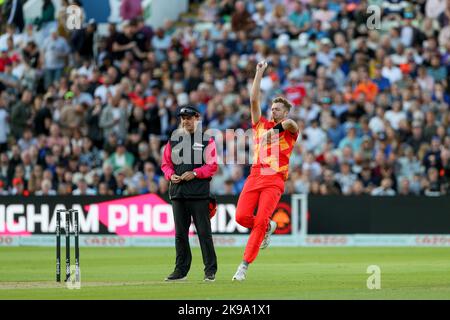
<point x="195" y="173"/>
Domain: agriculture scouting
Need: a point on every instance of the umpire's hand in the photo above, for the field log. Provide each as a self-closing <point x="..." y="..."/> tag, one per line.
<point x="175" y="179"/>
<point x="188" y="176"/>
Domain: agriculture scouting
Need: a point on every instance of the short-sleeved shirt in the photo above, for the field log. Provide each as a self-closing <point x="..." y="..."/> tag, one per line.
<point x="122" y="40"/>
<point x="56" y="51"/>
<point x="275" y="156"/>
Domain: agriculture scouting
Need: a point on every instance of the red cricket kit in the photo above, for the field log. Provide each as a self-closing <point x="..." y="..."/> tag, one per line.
<point x="264" y="185"/>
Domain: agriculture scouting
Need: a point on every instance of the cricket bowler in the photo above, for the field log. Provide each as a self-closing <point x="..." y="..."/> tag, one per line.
<point x="273" y="142"/>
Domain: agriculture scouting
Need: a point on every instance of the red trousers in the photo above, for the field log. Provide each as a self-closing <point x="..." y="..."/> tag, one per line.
<point x="263" y="191"/>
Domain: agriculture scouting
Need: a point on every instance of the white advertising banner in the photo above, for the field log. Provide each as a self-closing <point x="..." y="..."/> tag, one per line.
<point x="240" y="241"/>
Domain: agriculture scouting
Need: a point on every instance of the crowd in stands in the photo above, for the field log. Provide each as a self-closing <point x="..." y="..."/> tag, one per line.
<point x="83" y="112"/>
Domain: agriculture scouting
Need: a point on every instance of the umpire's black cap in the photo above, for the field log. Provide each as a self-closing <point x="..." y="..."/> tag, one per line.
<point x="188" y="111"/>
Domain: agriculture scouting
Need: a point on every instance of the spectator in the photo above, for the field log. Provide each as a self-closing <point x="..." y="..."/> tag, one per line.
<point x="8" y="81"/>
<point x="278" y="20"/>
<point x="160" y="43"/>
<point x="21" y="115"/>
<point x="425" y="81"/>
<point x="43" y="117"/>
<point x="383" y="146"/>
<point x="27" y="140"/>
<point x="430" y="128"/>
<point x="108" y="177"/>
<point x="416" y="139"/>
<point x="302" y="179"/>
<point x="358" y="189"/>
<point x="83" y="189"/>
<point x="384" y="189"/>
<point x="409" y="165"/>
<point x="72" y="118"/>
<point x="315" y="137"/>
<point x="122" y="42"/>
<point x="4" y="126"/>
<point x="346" y="179"/>
<point x="334" y="72"/>
<point x="300" y="18"/>
<point x="113" y="119"/>
<point x="405" y="189"/>
<point x="261" y="17"/>
<point x="434" y="8"/>
<point x="432" y="157"/>
<point x="329" y="185"/>
<point x="390" y="71"/>
<point x="121" y="187"/>
<point x="221" y="122"/>
<point x="10" y="34"/>
<point x="241" y="19"/>
<point x="144" y="156"/>
<point x="56" y="52"/>
<point x="336" y="132"/>
<point x="208" y="11"/>
<point x="410" y="35"/>
<point x="311" y="166"/>
<point x="5" y="169"/>
<point x="312" y="67"/>
<point x="82" y="41"/>
<point x="433" y="186"/>
<point x="325" y="56"/>
<point x="437" y="71"/>
<point x="396" y="115"/>
<point x="121" y="159"/>
<point x="19" y="187"/>
<point x="14" y="13"/>
<point x="351" y="139"/>
<point x="366" y="178"/>
<point x="46" y="189"/>
<point x="379" y="80"/>
<point x="150" y="173"/>
<point x="103" y="190"/>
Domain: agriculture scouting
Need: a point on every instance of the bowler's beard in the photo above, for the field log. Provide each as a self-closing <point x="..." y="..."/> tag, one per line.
<point x="278" y="120"/>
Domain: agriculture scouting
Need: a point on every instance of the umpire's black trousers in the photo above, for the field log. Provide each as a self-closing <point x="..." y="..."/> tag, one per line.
<point x="183" y="210"/>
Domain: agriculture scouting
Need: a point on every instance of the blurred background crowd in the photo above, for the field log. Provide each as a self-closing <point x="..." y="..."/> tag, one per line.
<point x="88" y="113"/>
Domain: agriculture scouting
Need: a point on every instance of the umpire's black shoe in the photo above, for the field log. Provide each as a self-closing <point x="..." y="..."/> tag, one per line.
<point x="211" y="277"/>
<point x="176" y="276"/>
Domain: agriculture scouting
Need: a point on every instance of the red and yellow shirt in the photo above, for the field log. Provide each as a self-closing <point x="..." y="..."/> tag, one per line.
<point x="272" y="158"/>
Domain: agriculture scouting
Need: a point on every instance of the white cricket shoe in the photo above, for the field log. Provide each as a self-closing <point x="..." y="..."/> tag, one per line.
<point x="240" y="273"/>
<point x="266" y="241"/>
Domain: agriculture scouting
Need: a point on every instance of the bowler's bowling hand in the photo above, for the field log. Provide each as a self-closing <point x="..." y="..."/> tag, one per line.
<point x="261" y="66"/>
<point x="188" y="176"/>
<point x="175" y="179"/>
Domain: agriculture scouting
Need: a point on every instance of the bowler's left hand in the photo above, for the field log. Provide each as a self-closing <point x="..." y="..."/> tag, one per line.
<point x="188" y="176"/>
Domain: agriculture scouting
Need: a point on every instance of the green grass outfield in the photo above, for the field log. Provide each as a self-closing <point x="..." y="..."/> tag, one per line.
<point x="278" y="273"/>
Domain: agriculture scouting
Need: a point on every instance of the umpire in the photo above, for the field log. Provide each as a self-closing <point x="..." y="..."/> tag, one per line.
<point x="189" y="162"/>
